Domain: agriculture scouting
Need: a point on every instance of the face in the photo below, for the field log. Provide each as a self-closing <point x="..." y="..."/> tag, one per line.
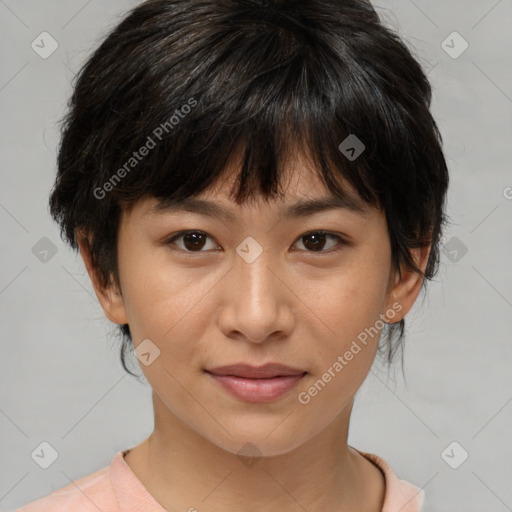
<point x="309" y="292"/>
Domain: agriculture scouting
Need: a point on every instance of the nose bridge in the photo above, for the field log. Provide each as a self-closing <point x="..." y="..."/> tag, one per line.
<point x="256" y="301"/>
<point x="256" y="278"/>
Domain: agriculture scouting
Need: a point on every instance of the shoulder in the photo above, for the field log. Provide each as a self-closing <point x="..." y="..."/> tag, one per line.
<point x="88" y="493"/>
<point x="400" y="494"/>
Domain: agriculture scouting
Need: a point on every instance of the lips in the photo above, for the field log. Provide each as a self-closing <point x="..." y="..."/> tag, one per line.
<point x="247" y="371"/>
<point x="257" y="384"/>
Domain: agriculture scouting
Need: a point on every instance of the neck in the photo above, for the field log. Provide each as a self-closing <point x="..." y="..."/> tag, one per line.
<point x="183" y="470"/>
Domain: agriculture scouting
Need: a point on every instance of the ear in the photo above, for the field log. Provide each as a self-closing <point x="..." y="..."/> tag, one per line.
<point x="406" y="287"/>
<point x="109" y="297"/>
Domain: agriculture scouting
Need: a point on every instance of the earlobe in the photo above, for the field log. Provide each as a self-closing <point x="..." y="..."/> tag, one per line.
<point x="408" y="284"/>
<point x="109" y="297"/>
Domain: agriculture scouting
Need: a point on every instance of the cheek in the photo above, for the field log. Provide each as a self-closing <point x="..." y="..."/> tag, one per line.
<point x="165" y="304"/>
<point x="347" y="310"/>
<point x="353" y="298"/>
<point x="346" y="347"/>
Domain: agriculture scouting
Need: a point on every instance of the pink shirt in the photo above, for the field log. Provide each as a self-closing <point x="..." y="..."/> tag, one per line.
<point x="115" y="488"/>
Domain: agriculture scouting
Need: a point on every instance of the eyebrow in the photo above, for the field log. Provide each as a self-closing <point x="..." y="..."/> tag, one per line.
<point x="302" y="208"/>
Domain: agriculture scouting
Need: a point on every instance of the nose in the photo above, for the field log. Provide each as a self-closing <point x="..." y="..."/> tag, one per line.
<point x="256" y="302"/>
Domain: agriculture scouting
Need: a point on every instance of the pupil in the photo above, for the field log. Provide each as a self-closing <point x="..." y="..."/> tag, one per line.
<point x="194" y="238"/>
<point x="320" y="240"/>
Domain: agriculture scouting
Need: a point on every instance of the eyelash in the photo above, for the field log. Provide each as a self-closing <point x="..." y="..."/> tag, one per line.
<point x="341" y="241"/>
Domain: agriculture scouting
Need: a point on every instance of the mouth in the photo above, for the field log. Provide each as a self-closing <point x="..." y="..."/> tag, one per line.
<point x="247" y="371"/>
<point x="257" y="384"/>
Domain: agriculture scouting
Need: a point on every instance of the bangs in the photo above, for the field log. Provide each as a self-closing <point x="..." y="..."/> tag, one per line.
<point x="264" y="89"/>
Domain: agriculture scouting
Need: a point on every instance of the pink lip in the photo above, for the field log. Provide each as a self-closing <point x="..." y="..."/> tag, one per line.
<point x="257" y="390"/>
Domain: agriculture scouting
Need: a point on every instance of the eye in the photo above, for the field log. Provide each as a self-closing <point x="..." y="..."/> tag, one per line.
<point x="195" y="241"/>
<point x="315" y="241"/>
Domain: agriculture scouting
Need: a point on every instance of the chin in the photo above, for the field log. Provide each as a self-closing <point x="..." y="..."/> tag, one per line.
<point x="267" y="441"/>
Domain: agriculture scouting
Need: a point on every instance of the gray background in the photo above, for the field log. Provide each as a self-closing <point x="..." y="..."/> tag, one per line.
<point x="61" y="379"/>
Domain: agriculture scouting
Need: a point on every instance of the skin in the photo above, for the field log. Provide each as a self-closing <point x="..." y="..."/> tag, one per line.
<point x="208" y="307"/>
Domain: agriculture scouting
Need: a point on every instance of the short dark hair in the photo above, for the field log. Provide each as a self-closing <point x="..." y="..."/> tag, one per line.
<point x="194" y="81"/>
